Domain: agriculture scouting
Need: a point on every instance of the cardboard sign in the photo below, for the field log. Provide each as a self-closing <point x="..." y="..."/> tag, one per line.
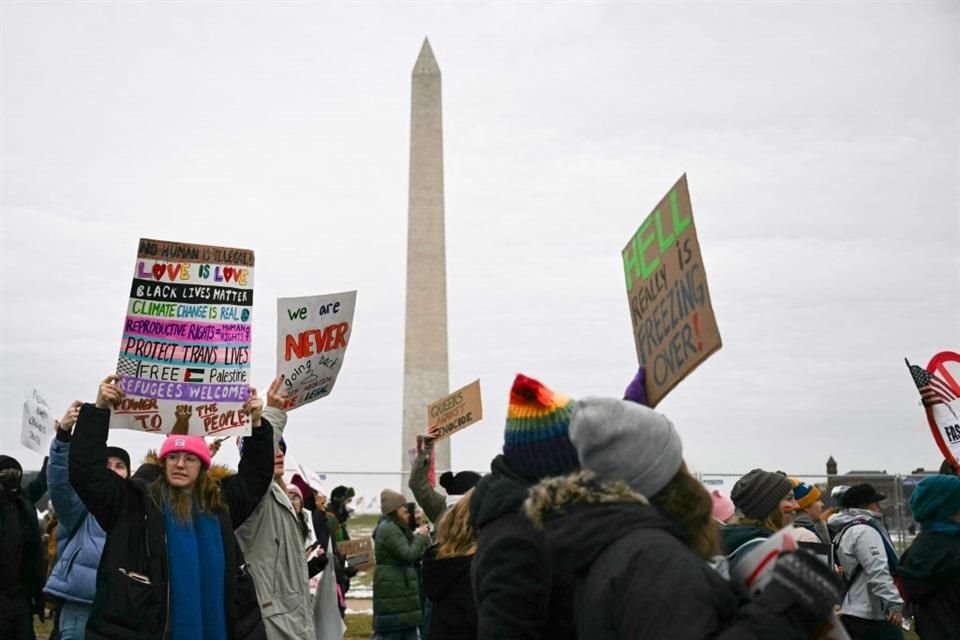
<point x="312" y="337"/>
<point x="674" y="328"/>
<point x="359" y="553"/>
<point x="185" y="354"/>
<point x="454" y="412"/>
<point x="940" y="396"/>
<point x="37" y="424"/>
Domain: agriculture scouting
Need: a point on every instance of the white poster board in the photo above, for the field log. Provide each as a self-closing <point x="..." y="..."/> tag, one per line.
<point x="38" y="425"/>
<point x="312" y="337"/>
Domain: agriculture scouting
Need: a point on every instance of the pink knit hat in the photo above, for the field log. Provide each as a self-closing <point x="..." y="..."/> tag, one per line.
<point x="723" y="507"/>
<point x="191" y="444"/>
<point x="292" y="488"/>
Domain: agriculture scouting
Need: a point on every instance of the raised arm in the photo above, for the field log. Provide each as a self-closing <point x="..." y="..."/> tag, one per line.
<point x="103" y="492"/>
<point x="430" y="500"/>
<point x="38" y="486"/>
<point x="274" y="411"/>
<point x="66" y="503"/>
<point x="244" y="490"/>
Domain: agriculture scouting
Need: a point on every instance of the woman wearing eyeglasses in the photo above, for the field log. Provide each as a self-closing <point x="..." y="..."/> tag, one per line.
<point x="171" y="567"/>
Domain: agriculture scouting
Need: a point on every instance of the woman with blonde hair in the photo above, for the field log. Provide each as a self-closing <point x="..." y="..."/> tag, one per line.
<point x="763" y="497"/>
<point x="446" y="575"/>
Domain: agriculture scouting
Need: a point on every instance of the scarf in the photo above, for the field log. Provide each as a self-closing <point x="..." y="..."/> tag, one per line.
<point x="195" y="558"/>
<point x="952" y="528"/>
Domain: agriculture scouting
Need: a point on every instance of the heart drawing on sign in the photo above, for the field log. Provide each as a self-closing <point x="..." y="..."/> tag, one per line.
<point x="158" y="270"/>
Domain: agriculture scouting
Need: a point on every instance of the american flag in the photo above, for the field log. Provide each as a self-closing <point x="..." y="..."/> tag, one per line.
<point x="932" y="389"/>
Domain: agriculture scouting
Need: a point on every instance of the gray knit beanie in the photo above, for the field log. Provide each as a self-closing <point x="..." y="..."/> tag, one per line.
<point x="619" y="440"/>
<point x="760" y="492"/>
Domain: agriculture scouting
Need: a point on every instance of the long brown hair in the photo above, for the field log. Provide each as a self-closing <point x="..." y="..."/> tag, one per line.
<point x="455" y="536"/>
<point x="773" y="521"/>
<point x="203" y="496"/>
<point x="685" y="501"/>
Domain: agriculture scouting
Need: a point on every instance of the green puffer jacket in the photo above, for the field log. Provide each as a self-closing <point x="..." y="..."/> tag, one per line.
<point x="396" y="601"/>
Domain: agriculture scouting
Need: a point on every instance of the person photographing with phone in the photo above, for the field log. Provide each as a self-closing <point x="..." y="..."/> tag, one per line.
<point x="396" y="600"/>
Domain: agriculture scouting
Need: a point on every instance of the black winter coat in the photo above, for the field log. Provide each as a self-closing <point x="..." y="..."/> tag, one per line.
<point x="518" y="594"/>
<point x="635" y="575"/>
<point x="930" y="574"/>
<point x="19" y="528"/>
<point x="446" y="582"/>
<point x="132" y="581"/>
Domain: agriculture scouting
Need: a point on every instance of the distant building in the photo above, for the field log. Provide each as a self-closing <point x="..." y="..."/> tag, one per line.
<point x="831" y="466"/>
<point x="896" y="488"/>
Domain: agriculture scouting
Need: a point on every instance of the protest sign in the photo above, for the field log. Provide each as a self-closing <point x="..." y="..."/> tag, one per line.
<point x="673" y="323"/>
<point x="37" y="424"/>
<point x="185" y="354"/>
<point x="359" y="553"/>
<point x="454" y="412"/>
<point x="312" y="337"/>
<point x="940" y="396"/>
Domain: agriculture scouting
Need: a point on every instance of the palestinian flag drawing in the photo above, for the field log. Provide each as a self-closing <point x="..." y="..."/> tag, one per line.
<point x="193" y="375"/>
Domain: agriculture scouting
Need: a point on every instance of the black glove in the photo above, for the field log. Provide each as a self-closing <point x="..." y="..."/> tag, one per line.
<point x="316" y="565"/>
<point x="804" y="587"/>
<point x="350" y="571"/>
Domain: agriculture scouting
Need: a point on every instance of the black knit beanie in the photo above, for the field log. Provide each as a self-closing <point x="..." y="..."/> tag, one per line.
<point x="117" y="452"/>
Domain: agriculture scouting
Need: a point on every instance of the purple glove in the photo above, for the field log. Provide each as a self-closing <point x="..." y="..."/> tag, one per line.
<point x="637" y="389"/>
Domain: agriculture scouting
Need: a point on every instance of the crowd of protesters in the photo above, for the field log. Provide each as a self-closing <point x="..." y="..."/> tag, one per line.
<point x="588" y="525"/>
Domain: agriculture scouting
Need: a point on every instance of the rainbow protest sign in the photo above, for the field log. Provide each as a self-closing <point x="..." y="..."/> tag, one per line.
<point x="185" y="353"/>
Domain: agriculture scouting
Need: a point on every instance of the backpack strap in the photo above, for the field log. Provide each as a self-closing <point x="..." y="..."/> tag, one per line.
<point x="836" y="550"/>
<point x="735" y="556"/>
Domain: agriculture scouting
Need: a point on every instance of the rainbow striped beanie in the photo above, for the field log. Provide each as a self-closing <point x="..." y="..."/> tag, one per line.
<point x="537" y="442"/>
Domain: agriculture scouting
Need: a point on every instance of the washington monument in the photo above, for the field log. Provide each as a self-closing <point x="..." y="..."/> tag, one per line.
<point x="425" y="342"/>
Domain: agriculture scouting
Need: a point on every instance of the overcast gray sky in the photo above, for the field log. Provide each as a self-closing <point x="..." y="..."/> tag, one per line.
<point x="821" y="142"/>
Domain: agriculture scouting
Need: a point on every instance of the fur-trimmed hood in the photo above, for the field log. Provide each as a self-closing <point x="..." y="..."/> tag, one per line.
<point x="149" y="470"/>
<point x="556" y="495"/>
<point x="219" y="472"/>
<point x="581" y="517"/>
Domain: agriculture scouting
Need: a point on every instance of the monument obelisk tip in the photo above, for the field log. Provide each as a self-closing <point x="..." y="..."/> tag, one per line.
<point x="426" y="63"/>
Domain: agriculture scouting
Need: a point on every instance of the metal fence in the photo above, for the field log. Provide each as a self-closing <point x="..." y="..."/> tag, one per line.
<point x="896" y="487"/>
